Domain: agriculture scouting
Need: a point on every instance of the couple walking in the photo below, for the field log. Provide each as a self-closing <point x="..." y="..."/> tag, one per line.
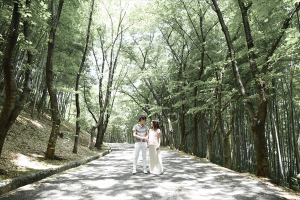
<point x="142" y="134"/>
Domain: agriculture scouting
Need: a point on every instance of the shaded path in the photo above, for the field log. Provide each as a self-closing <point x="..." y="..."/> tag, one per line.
<point x="110" y="178"/>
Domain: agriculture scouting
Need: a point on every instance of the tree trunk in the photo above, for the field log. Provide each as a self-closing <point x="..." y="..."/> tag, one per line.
<point x="227" y="152"/>
<point x="99" y="133"/>
<point x="162" y="128"/>
<point x="75" y="149"/>
<point x="195" y="128"/>
<point x="101" y="137"/>
<point x="209" y="149"/>
<point x="172" y="142"/>
<point x="260" y="144"/>
<point x="38" y="86"/>
<point x="209" y="135"/>
<point x="275" y="127"/>
<point x="42" y="101"/>
<point x="91" y="141"/>
<point x="50" y="153"/>
<point x="9" y="75"/>
<point x="182" y="128"/>
<point x="238" y="143"/>
<point x="258" y="120"/>
<point x="293" y="111"/>
<point x="10" y="110"/>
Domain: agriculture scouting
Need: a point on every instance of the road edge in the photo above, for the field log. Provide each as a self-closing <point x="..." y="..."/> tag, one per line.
<point x="16" y="182"/>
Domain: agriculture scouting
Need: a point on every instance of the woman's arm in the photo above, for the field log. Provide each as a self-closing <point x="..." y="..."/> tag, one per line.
<point x="158" y="145"/>
<point x="147" y="137"/>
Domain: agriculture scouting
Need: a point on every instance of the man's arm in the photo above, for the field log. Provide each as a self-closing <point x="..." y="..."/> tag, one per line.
<point x="138" y="137"/>
<point x="135" y="135"/>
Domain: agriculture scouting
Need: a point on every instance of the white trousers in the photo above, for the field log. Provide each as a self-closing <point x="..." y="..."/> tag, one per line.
<point x="140" y="146"/>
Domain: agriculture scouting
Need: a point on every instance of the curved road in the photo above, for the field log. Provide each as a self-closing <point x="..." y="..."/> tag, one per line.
<point x="110" y="178"/>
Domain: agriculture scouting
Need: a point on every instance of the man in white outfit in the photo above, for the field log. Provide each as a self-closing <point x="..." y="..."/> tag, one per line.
<point x="140" y="133"/>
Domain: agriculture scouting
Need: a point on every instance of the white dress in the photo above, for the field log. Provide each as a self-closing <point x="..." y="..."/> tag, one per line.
<point x="155" y="161"/>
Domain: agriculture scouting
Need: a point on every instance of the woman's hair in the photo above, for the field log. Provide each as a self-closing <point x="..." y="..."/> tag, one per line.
<point x="155" y="124"/>
<point x="142" y="118"/>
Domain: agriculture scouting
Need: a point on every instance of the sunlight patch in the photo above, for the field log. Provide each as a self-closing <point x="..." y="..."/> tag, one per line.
<point x="37" y="124"/>
<point x="25" y="121"/>
<point x="24" y="161"/>
<point x="106" y="183"/>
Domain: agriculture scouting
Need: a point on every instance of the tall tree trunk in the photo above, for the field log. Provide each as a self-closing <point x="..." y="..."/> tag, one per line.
<point x="209" y="148"/>
<point x="8" y="70"/>
<point x="237" y="140"/>
<point x="42" y="101"/>
<point x="50" y="153"/>
<point x="172" y="142"/>
<point x="75" y="148"/>
<point x="182" y="127"/>
<point x="275" y="127"/>
<point x="40" y="76"/>
<point x="10" y="110"/>
<point x="9" y="75"/>
<point x="210" y="135"/>
<point x="226" y="152"/>
<point x="258" y="120"/>
<point x="225" y="137"/>
<point x="293" y="111"/>
<point x="99" y="137"/>
<point x="91" y="140"/>
<point x="195" y="129"/>
<point x="195" y="117"/>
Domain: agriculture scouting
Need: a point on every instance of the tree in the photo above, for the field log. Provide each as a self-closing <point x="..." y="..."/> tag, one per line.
<point x="110" y="49"/>
<point x="50" y="153"/>
<point x="77" y="80"/>
<point x="11" y="109"/>
<point x="257" y="119"/>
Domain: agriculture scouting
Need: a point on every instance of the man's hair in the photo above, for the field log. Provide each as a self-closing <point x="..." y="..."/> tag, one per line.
<point x="142" y="118"/>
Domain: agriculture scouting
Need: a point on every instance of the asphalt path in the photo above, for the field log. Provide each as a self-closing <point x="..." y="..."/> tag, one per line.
<point x="184" y="178"/>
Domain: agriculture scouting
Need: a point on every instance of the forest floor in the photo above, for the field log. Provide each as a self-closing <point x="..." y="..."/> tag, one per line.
<point x="26" y="143"/>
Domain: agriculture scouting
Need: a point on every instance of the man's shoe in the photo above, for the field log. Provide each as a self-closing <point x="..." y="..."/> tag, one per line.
<point x="145" y="172"/>
<point x="134" y="171"/>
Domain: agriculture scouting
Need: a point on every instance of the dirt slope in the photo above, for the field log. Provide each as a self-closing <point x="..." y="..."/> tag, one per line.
<point x="26" y="144"/>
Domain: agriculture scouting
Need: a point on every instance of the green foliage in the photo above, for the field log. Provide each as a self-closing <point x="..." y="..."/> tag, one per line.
<point x="161" y="57"/>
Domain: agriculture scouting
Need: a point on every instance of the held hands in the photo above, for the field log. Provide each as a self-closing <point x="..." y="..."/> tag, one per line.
<point x="144" y="139"/>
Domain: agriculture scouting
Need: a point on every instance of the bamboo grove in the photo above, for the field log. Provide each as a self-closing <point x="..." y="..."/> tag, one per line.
<point x="222" y="77"/>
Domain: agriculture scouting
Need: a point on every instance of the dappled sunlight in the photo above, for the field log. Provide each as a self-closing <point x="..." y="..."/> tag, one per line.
<point x="184" y="178"/>
<point x="28" y="162"/>
<point x="37" y="124"/>
<point x="24" y="120"/>
<point x="103" y="184"/>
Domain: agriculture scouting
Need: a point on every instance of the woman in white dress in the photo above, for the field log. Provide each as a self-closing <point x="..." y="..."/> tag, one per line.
<point x="155" y="161"/>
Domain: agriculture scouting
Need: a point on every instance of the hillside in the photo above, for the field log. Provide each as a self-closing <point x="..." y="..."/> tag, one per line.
<point x="26" y="144"/>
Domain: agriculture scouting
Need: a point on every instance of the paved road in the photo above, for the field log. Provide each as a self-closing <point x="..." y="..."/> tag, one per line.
<point x="110" y="178"/>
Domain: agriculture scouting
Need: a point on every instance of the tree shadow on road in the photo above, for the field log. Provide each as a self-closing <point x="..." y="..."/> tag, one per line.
<point x="184" y="178"/>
